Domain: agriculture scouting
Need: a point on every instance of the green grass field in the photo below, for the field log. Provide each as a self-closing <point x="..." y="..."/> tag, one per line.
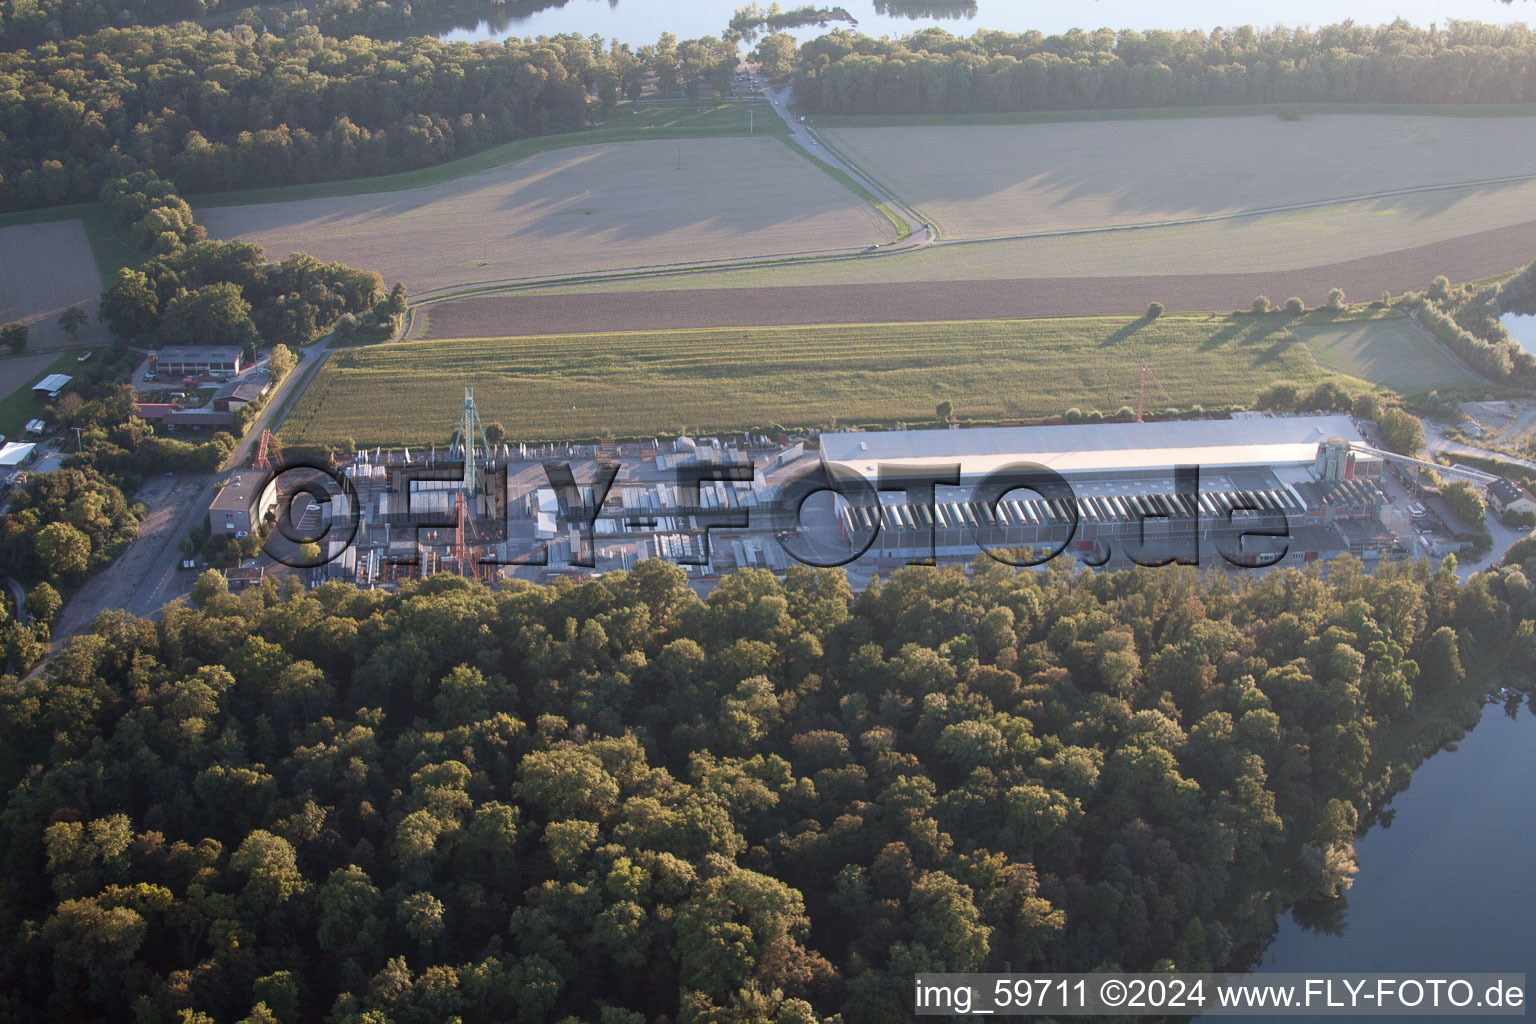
<point x="1393" y="352"/>
<point x="21" y="405"/>
<point x="642" y="384"/>
<point x="648" y="122"/>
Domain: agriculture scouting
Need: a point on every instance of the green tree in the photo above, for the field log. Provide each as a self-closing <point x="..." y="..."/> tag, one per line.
<point x="1154" y="310"/>
<point x="44" y="603"/>
<point x="1336" y="302"/>
<point x="214" y="314"/>
<point x="1401" y="431"/>
<point x="280" y="362"/>
<point x="209" y="585"/>
<point x="14" y="338"/>
<point x="130" y="306"/>
<point x="64" y="551"/>
<point x="72" y="320"/>
<point x="776" y="54"/>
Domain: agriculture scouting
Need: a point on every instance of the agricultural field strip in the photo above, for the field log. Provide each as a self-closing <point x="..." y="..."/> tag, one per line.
<point x="577" y="210"/>
<point x="1236" y="214"/>
<point x="1235" y="243"/>
<point x="641" y="384"/>
<point x="1395" y="352"/>
<point x="45" y="268"/>
<point x="1245" y="242"/>
<point x="1006" y="180"/>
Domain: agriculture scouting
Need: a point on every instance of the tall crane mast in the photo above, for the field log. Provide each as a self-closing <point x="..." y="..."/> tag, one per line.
<point x="1141" y="399"/>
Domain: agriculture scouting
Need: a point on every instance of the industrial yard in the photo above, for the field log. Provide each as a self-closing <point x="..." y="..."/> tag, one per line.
<point x="1300" y="487"/>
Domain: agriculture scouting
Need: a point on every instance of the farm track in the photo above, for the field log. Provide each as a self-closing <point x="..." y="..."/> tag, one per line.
<point x="1467" y="258"/>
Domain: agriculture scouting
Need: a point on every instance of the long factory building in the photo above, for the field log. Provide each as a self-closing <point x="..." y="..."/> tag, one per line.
<point x="1255" y="472"/>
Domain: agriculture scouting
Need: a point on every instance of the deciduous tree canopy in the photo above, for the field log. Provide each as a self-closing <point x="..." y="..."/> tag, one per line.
<point x="934" y="72"/>
<point x="615" y="801"/>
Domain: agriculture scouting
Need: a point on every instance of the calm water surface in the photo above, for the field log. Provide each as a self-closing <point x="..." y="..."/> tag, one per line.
<point x="1449" y="885"/>
<point x="642" y="21"/>
<point x="1522" y="328"/>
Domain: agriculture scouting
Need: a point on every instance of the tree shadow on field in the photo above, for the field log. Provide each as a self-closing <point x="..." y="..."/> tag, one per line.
<point x="1125" y="332"/>
<point x="1229" y="330"/>
<point x="1278" y="347"/>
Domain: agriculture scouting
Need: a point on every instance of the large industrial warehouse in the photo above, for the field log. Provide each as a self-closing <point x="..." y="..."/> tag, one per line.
<point x="1131" y="495"/>
<point x="1305" y="477"/>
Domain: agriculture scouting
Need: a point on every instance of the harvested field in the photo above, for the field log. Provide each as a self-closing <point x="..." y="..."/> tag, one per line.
<point x="1472" y="239"/>
<point x="706" y="301"/>
<point x="1394" y="352"/>
<point x="640" y="384"/>
<point x="574" y="210"/>
<point x="980" y="181"/>
<point x="45" y="269"/>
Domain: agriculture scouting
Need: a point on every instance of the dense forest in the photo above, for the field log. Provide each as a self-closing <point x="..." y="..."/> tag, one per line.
<point x="26" y="23"/>
<point x="614" y="802"/>
<point x="935" y="72"/>
<point x="214" y="111"/>
<point x="211" y="111"/>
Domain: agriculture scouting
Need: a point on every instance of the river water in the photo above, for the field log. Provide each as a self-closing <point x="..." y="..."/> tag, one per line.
<point x="1522" y="328"/>
<point x="1450" y="884"/>
<point x="642" y="21"/>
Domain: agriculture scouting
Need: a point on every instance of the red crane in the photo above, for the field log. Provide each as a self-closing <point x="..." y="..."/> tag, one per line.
<point x="264" y="451"/>
<point x="1141" y="399"/>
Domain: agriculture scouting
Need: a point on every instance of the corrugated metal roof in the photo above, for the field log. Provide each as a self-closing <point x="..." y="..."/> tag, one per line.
<point x="1083" y="448"/>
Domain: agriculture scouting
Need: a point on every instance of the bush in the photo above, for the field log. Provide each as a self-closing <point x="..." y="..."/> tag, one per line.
<point x="13" y="337"/>
<point x="1074" y="415"/>
<point x="1154" y="310"/>
<point x="1125" y="413"/>
<point x="1336" y="301"/>
<point x="1260" y="305"/>
<point x="1282" y="396"/>
<point x="1295" y="306"/>
<point x="1367" y="406"/>
<point x="1095" y="417"/>
<point x="1401" y="432"/>
<point x="1464" y="500"/>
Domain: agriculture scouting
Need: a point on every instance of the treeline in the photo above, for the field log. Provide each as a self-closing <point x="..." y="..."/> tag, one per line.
<point x="935" y="72"/>
<point x="616" y="802"/>
<point x="25" y="23"/>
<point x="217" y="111"/>
<point x="1467" y="322"/>
<point x="750" y="21"/>
<point x="927" y="8"/>
<point x="213" y="110"/>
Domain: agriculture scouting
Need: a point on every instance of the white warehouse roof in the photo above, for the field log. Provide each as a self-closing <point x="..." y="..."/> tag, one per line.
<point x="1267" y="441"/>
<point x="15" y="453"/>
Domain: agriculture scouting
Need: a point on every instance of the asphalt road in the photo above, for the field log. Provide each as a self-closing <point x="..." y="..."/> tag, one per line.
<point x="147" y="575"/>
